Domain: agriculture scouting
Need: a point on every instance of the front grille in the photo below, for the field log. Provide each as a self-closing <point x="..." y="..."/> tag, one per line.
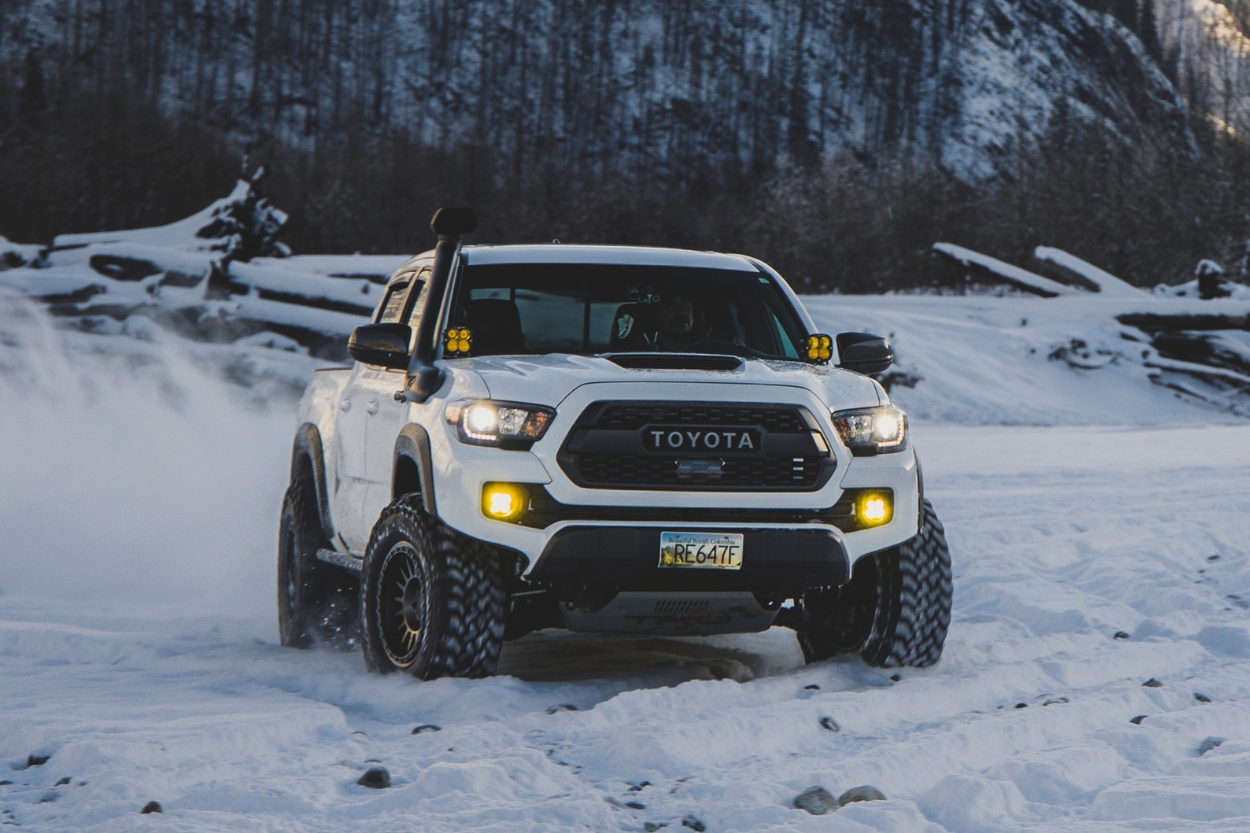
<point x="740" y="473"/>
<point x="604" y="450"/>
<point x="776" y="420"/>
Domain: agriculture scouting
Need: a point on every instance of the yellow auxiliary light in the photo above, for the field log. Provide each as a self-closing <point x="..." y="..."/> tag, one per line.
<point x="875" y="508"/>
<point x="458" y="340"/>
<point x="504" y="501"/>
<point x="819" y="348"/>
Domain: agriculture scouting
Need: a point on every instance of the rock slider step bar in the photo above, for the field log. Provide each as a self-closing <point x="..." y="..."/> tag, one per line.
<point x="340" y="559"/>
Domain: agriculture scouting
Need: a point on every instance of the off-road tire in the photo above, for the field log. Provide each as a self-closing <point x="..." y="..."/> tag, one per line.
<point x="432" y="600"/>
<point x="896" y="609"/>
<point x="316" y="602"/>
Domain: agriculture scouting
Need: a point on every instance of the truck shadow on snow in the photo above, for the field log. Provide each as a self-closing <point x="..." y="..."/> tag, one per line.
<point x="561" y="656"/>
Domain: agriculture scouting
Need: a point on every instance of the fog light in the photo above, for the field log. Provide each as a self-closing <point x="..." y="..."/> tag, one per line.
<point x="875" y="508"/>
<point x="504" y="501"/>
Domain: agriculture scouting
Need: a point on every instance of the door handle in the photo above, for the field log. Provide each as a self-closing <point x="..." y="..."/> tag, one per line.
<point x="372" y="407"/>
<point x="345" y="405"/>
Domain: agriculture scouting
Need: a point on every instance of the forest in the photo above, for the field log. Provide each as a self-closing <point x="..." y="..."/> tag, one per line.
<point x="838" y="140"/>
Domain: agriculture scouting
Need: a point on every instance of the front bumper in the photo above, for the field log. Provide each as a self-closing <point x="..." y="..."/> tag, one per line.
<point x="777" y="560"/>
<point x="460" y="471"/>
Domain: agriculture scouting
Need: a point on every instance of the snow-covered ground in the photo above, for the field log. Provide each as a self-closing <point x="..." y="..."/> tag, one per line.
<point x="139" y="497"/>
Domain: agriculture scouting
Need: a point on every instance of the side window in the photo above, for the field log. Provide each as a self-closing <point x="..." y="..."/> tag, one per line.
<point x="783" y="340"/>
<point x="392" y="307"/>
<point x="417" y="298"/>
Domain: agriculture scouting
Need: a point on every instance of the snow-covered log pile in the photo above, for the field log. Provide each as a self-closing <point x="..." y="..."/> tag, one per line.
<point x="1193" y="338"/>
<point x="219" y="275"/>
<point x="1092" y="348"/>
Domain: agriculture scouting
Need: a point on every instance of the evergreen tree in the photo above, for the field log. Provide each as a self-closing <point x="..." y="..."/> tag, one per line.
<point x="1149" y="32"/>
<point x="33" y="99"/>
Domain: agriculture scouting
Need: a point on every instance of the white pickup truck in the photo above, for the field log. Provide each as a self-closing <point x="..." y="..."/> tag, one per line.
<point x="605" y="439"/>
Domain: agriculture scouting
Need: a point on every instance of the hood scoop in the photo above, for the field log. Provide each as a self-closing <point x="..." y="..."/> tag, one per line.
<point x="674" y="361"/>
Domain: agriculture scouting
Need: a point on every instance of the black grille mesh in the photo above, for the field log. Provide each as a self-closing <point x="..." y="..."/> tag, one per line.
<point x="738" y="473"/>
<point x="775" y="420"/>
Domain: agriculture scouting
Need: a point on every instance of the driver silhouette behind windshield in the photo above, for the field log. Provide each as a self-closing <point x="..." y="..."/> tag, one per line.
<point x="679" y="323"/>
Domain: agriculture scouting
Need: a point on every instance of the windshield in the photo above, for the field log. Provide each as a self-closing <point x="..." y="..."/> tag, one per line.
<point x="529" y="308"/>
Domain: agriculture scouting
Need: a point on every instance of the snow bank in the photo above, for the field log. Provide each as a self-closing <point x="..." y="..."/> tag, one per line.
<point x="984" y="360"/>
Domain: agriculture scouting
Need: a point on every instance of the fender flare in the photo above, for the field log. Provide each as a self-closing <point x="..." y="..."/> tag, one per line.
<point x="413" y="443"/>
<point x="308" y="459"/>
<point x="919" y="495"/>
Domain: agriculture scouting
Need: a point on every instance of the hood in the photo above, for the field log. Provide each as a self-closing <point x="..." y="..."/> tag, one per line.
<point x="548" y="379"/>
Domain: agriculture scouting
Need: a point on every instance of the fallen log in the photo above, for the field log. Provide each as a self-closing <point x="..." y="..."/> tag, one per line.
<point x="997" y="271"/>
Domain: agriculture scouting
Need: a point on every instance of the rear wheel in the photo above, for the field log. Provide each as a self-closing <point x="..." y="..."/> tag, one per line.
<point x="896" y="609"/>
<point x="316" y="602"/>
<point x="432" y="600"/>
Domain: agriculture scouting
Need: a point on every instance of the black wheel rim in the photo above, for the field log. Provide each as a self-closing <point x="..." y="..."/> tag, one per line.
<point x="401" y="604"/>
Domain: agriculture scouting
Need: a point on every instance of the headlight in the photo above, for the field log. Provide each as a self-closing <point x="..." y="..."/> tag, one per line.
<point x="868" y="431"/>
<point x="503" y="424"/>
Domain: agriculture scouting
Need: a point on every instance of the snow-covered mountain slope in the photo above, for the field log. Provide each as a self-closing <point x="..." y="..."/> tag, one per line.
<point x="588" y="87"/>
<point x="1209" y="40"/>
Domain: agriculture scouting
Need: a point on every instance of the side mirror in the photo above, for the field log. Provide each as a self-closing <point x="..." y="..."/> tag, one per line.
<point x="381" y="344"/>
<point x="864" y="353"/>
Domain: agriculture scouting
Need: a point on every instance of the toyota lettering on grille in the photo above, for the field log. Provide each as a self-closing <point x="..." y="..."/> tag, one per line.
<point x="685" y="438"/>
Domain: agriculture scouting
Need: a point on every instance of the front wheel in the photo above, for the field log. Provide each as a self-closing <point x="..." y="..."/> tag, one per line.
<point x="896" y="609"/>
<point x="431" y="600"/>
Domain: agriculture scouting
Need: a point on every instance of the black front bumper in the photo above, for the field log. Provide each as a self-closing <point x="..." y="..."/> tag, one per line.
<point x="775" y="562"/>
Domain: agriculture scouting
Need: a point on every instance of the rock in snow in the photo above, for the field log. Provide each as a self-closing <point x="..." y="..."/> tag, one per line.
<point x="151" y="807"/>
<point x="816" y="800"/>
<point x="375" y="778"/>
<point x="867" y="792"/>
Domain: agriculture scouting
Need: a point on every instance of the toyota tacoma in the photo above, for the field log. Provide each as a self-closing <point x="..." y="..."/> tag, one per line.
<point x="607" y="439"/>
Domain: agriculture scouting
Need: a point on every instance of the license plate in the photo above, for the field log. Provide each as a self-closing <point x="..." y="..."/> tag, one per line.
<point x="711" y="550"/>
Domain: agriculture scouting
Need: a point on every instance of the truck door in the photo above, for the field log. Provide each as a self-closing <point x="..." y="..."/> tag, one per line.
<point x="360" y="402"/>
<point x="388" y="415"/>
